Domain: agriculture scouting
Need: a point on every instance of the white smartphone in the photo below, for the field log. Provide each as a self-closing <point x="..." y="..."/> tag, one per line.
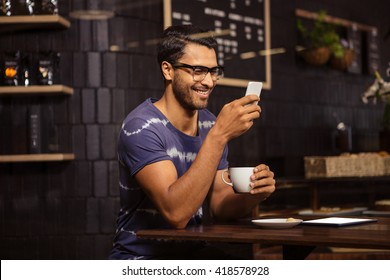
<point x="254" y="88"/>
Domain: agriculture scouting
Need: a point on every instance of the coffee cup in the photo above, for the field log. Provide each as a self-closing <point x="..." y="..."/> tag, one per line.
<point x="240" y="178"/>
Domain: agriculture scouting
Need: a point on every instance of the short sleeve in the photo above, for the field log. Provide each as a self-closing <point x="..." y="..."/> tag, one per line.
<point x="140" y="145"/>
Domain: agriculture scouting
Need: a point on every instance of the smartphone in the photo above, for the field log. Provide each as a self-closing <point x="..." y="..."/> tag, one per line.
<point x="254" y="88"/>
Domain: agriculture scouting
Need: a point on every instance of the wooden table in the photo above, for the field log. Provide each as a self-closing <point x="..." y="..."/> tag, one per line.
<point x="297" y="242"/>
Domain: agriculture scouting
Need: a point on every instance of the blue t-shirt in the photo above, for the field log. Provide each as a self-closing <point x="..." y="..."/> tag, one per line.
<point x="146" y="137"/>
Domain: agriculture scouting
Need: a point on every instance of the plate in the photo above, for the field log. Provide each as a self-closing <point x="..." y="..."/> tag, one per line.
<point x="377" y="213"/>
<point x="276" y="223"/>
<point x="350" y="211"/>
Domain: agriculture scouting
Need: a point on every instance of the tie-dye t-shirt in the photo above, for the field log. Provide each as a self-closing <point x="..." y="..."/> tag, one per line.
<point x="147" y="137"/>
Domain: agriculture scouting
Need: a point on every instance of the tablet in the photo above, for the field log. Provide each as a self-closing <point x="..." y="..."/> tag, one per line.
<point x="338" y="221"/>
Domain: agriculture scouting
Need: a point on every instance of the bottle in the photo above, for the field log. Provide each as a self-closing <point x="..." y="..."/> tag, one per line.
<point x="11" y="69"/>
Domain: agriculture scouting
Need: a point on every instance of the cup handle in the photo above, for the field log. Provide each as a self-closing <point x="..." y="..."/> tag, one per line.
<point x="223" y="179"/>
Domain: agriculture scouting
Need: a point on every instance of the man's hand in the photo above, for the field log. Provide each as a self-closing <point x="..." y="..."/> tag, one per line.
<point x="262" y="181"/>
<point x="237" y="117"/>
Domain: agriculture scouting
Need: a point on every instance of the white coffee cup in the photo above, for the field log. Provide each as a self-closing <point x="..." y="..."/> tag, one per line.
<point x="240" y="177"/>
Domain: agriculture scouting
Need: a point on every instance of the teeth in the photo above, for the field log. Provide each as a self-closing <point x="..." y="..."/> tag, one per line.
<point x="204" y="92"/>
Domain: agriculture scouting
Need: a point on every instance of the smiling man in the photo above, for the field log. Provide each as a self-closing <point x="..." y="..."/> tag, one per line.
<point x="172" y="152"/>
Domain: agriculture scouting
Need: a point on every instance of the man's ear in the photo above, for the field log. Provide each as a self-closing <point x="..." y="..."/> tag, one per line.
<point x="167" y="70"/>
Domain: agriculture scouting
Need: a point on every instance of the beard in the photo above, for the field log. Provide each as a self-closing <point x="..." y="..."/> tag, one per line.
<point x="186" y="97"/>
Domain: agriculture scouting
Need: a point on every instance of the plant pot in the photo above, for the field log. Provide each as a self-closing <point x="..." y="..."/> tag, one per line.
<point x="316" y="56"/>
<point x="384" y="140"/>
<point x="344" y="62"/>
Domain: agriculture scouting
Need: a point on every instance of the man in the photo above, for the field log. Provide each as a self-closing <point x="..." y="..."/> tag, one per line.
<point x="172" y="152"/>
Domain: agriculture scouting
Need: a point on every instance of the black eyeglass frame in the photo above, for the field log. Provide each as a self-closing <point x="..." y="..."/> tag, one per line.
<point x="216" y="76"/>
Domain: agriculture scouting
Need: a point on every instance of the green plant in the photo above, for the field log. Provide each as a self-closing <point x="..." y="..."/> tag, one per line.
<point x="321" y="34"/>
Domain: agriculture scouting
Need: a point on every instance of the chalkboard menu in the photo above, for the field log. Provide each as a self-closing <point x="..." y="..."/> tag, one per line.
<point x="242" y="29"/>
<point x="373" y="51"/>
<point x="355" y="42"/>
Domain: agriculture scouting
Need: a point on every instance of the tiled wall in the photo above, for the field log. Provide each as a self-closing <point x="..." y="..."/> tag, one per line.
<point x="68" y="210"/>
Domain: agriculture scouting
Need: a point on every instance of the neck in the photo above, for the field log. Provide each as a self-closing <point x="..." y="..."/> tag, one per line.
<point x="184" y="120"/>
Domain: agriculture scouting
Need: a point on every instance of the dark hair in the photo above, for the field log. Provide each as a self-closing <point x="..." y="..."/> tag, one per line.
<point x="171" y="46"/>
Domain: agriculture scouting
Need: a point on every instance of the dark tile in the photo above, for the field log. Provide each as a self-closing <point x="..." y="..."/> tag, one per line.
<point x="71" y="37"/>
<point x="64" y="7"/>
<point x="45" y="248"/>
<point x="136" y="71"/>
<point x="103" y="246"/>
<point x="117" y="33"/>
<point x="100" y="35"/>
<point x="88" y="101"/>
<point x="92" y="214"/>
<point x="51" y="218"/>
<point x="32" y="40"/>
<point x="45" y="42"/>
<point x="67" y="246"/>
<point x="5" y="126"/>
<point x="151" y="31"/>
<point x="100" y="178"/>
<point x="124" y="8"/>
<point x="108" y="137"/>
<point x="58" y="107"/>
<point x="108" y="213"/>
<point x="66" y="74"/>
<point x="79" y="141"/>
<point x="19" y="127"/>
<point x="2" y="210"/>
<point x="84" y="178"/>
<point x="109" y="70"/>
<point x="85" y="247"/>
<point x="76" y="209"/>
<point x="94" y="5"/>
<point x="6" y="43"/>
<point x="113" y="178"/>
<point x="27" y="248"/>
<point x="93" y="142"/>
<point x="104" y="105"/>
<point x="118" y="105"/>
<point x="123" y="70"/>
<point x="85" y="35"/>
<point x="154" y="13"/>
<point x="78" y="5"/>
<point x="75" y="107"/>
<point x="94" y="69"/>
<point x="79" y="69"/>
<point x="62" y="140"/>
<point x="56" y="40"/>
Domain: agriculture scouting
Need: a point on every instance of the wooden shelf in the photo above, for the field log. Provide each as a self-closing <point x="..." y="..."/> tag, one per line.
<point x="335" y="20"/>
<point x="16" y="23"/>
<point x="36" y="90"/>
<point x="36" y="157"/>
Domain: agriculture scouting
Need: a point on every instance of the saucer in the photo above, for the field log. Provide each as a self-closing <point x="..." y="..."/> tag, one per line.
<point x="276" y="223"/>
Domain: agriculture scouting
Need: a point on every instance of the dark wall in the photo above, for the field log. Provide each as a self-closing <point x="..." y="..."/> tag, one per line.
<point x="68" y="210"/>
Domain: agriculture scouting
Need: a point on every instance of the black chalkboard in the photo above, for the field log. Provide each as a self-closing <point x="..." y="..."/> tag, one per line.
<point x="242" y="30"/>
<point x="355" y="41"/>
<point x="373" y="52"/>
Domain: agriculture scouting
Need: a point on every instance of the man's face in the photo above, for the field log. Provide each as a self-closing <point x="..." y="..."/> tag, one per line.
<point x="190" y="94"/>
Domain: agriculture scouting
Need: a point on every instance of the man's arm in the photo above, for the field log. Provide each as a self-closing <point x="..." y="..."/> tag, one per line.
<point x="178" y="199"/>
<point x="225" y="204"/>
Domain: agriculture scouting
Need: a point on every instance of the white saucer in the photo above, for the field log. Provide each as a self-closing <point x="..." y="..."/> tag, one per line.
<point x="276" y="223"/>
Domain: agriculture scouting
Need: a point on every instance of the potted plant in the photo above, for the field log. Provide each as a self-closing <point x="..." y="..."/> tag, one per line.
<point x="343" y="57"/>
<point x="321" y="41"/>
<point x="380" y="90"/>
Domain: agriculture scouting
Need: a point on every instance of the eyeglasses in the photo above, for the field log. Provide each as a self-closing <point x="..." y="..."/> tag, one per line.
<point x="200" y="72"/>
